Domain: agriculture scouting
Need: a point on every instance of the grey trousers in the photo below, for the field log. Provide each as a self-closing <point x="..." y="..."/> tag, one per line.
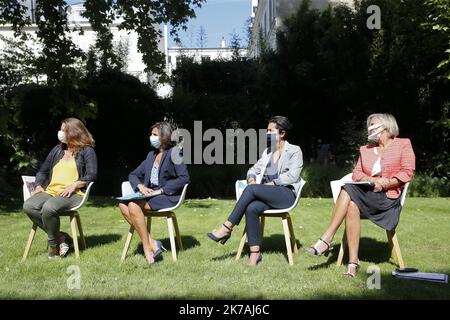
<point x="44" y="211"/>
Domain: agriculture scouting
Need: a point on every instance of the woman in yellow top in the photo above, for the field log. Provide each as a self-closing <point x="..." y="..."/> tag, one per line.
<point x="59" y="185"/>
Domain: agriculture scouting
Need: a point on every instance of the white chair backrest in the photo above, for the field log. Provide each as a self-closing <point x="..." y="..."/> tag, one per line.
<point x="127" y="189"/>
<point x="240" y="186"/>
<point x="85" y="197"/>
<point x="336" y="186"/>
<point x="404" y="191"/>
<point x="31" y="179"/>
<point x="27" y="182"/>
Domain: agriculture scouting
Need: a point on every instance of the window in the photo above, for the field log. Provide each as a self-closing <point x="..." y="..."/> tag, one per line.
<point x="270" y="12"/>
<point x="274" y="9"/>
<point x="265" y="23"/>
<point x="206" y="58"/>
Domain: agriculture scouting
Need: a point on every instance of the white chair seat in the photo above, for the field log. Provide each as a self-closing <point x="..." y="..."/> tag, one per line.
<point x="396" y="254"/>
<point x="284" y="214"/>
<point x="75" y="220"/>
<point x="172" y="223"/>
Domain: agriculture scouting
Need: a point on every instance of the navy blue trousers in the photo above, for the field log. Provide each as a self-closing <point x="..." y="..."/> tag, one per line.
<point x="254" y="200"/>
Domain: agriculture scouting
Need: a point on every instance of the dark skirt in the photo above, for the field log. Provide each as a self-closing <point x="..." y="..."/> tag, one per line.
<point x="376" y="206"/>
<point x="161" y="201"/>
<point x="158" y="202"/>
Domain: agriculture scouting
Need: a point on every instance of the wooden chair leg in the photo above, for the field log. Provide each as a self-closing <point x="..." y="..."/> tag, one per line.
<point x="291" y="230"/>
<point x="127" y="243"/>
<point x="263" y="223"/>
<point x="73" y="227"/>
<point x="241" y="244"/>
<point x="29" y="242"/>
<point x="177" y="232"/>
<point x="172" y="237"/>
<point x="342" y="249"/>
<point x="395" y="248"/>
<point x="287" y="238"/>
<point x="149" y="224"/>
<point x="80" y="230"/>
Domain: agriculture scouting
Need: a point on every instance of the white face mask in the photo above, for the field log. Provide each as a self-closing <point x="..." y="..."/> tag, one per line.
<point x="375" y="137"/>
<point x="61" y="136"/>
<point x="154" y="140"/>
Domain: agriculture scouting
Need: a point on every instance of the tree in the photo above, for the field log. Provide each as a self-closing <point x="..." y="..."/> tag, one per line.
<point x="439" y="21"/>
<point x="202" y="38"/>
<point x="236" y="46"/>
<point x="141" y="16"/>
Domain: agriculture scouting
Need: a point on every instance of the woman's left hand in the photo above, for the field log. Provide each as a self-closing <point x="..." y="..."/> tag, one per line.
<point x="378" y="187"/>
<point x="67" y="192"/>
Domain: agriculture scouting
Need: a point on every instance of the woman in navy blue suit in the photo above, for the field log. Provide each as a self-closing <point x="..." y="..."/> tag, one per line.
<point x="162" y="173"/>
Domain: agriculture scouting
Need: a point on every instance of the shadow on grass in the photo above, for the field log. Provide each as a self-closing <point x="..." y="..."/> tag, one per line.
<point x="224" y="257"/>
<point x="188" y="242"/>
<point x="370" y="251"/>
<point x="99" y="240"/>
<point x="274" y="243"/>
<point x="197" y="204"/>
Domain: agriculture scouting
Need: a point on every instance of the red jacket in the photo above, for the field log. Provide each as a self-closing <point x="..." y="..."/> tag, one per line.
<point x="397" y="161"/>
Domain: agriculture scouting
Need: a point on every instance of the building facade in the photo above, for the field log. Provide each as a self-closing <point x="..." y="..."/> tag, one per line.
<point x="199" y="55"/>
<point x="268" y="15"/>
<point x="125" y="38"/>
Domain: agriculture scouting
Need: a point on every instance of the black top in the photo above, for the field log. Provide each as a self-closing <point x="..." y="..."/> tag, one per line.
<point x="86" y="161"/>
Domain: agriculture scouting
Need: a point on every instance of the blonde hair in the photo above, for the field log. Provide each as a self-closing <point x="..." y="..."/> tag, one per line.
<point x="387" y="120"/>
<point x="77" y="135"/>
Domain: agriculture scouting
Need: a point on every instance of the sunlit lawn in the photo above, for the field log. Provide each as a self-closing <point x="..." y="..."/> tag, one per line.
<point x="207" y="270"/>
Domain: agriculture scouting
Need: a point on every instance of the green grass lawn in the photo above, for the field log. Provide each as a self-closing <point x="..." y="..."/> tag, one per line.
<point x="207" y="270"/>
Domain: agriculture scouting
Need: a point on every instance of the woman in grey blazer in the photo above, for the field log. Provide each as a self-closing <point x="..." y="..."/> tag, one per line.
<point x="273" y="183"/>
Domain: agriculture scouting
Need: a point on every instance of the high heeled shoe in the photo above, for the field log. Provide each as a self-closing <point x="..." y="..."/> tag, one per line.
<point x="223" y="239"/>
<point x="315" y="251"/>
<point x="258" y="260"/>
<point x="352" y="266"/>
<point x="160" y="249"/>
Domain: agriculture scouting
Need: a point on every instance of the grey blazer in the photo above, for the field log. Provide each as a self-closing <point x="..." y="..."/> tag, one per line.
<point x="290" y="166"/>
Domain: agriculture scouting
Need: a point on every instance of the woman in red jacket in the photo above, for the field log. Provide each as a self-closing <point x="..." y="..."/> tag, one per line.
<point x="389" y="163"/>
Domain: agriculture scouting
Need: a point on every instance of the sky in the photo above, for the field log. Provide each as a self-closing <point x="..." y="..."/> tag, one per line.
<point x="219" y="18"/>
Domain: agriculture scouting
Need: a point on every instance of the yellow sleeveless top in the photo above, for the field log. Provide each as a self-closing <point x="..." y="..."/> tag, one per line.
<point x="64" y="174"/>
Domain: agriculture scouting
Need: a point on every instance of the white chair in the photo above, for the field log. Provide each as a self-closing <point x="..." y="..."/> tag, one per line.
<point x="172" y="223"/>
<point x="73" y="214"/>
<point x="284" y="214"/>
<point x="396" y="254"/>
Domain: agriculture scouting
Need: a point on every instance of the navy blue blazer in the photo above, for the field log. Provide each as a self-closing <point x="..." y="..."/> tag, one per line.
<point x="171" y="178"/>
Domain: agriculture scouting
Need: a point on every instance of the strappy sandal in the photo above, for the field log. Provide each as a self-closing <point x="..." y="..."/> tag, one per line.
<point x="352" y="265"/>
<point x="64" y="245"/>
<point x="223" y="239"/>
<point x="313" y="250"/>
<point x="259" y="259"/>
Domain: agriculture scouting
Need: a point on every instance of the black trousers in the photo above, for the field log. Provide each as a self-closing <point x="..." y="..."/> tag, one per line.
<point x="254" y="200"/>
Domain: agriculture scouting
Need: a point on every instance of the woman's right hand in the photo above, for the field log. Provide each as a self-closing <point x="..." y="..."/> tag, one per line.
<point x="37" y="190"/>
<point x="251" y="181"/>
<point x="144" y="190"/>
<point x="378" y="187"/>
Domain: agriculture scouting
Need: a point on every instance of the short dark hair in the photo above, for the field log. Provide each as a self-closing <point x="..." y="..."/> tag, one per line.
<point x="165" y="133"/>
<point x="282" y="123"/>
